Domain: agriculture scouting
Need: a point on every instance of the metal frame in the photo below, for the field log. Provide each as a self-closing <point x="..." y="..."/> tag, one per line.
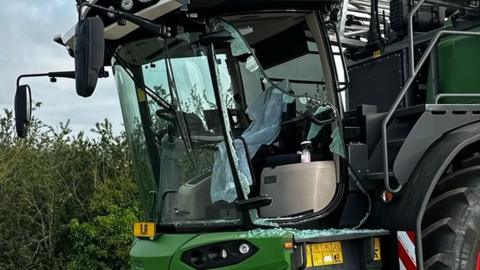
<point x="337" y="31"/>
<point x="435" y="121"/>
<point x="360" y="9"/>
<point x="404" y="91"/>
<point x="440" y="96"/>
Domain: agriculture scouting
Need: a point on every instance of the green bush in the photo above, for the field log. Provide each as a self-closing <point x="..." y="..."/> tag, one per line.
<point x="103" y="241"/>
<point x="66" y="201"/>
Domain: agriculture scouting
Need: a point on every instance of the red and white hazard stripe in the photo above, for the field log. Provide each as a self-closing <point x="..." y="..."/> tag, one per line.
<point x="406" y="250"/>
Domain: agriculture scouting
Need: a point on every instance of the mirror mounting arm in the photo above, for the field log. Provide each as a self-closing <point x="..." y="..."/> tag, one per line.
<point x="30" y="76"/>
<point x="103" y="73"/>
<point x="51" y="75"/>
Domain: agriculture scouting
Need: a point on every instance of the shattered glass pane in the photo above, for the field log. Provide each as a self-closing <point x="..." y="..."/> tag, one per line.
<point x="306" y="234"/>
<point x="314" y="128"/>
<point x="266" y="115"/>
<point x="259" y="74"/>
<point x="337" y="146"/>
<point x="238" y="47"/>
<point x="285" y="86"/>
<point x="288" y="99"/>
<point x="264" y="222"/>
<point x="321" y="110"/>
<point x="221" y="188"/>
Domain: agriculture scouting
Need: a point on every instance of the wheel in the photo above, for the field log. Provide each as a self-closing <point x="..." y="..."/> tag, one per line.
<point x="451" y="225"/>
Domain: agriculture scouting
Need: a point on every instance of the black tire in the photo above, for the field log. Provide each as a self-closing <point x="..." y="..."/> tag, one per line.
<point x="451" y="225"/>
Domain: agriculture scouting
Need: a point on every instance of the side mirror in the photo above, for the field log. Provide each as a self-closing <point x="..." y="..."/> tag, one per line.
<point x="89" y="54"/>
<point x="23" y="109"/>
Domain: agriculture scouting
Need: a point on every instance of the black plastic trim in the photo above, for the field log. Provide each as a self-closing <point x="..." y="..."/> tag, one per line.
<point x="205" y="259"/>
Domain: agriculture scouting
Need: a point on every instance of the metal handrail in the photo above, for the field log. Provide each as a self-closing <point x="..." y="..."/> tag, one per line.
<point x="440" y="96"/>
<point x="402" y="94"/>
<point x="411" y="48"/>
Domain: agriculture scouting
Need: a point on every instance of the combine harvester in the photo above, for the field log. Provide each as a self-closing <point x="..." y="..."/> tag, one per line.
<point x="292" y="134"/>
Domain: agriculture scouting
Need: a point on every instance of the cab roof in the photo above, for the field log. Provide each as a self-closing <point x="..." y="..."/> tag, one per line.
<point x="160" y="8"/>
<point x="216" y="6"/>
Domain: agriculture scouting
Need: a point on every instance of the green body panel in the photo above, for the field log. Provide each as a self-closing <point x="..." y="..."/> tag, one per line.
<point x="156" y="254"/>
<point x="165" y="251"/>
<point x="458" y="69"/>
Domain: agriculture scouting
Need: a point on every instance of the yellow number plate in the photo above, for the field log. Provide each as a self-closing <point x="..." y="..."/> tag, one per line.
<point x="378" y="253"/>
<point x="144" y="229"/>
<point x="323" y="254"/>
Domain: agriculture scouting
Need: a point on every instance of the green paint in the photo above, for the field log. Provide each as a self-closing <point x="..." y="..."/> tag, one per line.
<point x="459" y="65"/>
<point x="165" y="252"/>
<point x="156" y="254"/>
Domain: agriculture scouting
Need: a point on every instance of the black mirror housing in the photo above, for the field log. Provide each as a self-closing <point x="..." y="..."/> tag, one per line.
<point x="89" y="54"/>
<point x="23" y="110"/>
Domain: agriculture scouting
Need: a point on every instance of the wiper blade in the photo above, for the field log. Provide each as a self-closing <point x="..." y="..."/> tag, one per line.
<point x="151" y="93"/>
<point x="181" y="121"/>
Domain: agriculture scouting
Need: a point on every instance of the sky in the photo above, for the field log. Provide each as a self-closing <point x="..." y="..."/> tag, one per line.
<point x="27" y="28"/>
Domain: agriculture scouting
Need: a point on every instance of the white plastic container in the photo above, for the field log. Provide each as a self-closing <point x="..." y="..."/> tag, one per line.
<point x="298" y="188"/>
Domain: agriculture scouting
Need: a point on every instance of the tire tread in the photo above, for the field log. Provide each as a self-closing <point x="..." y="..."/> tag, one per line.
<point x="450" y="212"/>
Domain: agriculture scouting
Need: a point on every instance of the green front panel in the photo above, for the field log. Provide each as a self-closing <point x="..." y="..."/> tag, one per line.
<point x="166" y="251"/>
<point x="458" y="69"/>
<point x="156" y="254"/>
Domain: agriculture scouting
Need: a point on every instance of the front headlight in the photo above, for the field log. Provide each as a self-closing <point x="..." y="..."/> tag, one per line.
<point x="219" y="254"/>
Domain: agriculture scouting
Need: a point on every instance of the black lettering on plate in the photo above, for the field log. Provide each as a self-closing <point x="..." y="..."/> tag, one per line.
<point x="144" y="229"/>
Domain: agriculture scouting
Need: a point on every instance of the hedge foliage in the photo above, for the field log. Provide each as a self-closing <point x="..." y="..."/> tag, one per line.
<point x="66" y="201"/>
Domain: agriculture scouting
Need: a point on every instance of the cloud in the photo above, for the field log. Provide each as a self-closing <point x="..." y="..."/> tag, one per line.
<point x="27" y="28"/>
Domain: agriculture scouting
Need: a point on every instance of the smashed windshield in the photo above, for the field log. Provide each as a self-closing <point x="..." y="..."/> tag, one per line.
<point x="174" y="148"/>
<point x="289" y="105"/>
<point x="272" y="100"/>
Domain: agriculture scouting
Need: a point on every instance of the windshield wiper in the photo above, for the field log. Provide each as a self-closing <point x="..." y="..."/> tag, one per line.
<point x="151" y="93"/>
<point x="182" y="123"/>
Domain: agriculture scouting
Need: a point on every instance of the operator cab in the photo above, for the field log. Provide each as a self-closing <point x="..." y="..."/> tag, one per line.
<point x="228" y="110"/>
